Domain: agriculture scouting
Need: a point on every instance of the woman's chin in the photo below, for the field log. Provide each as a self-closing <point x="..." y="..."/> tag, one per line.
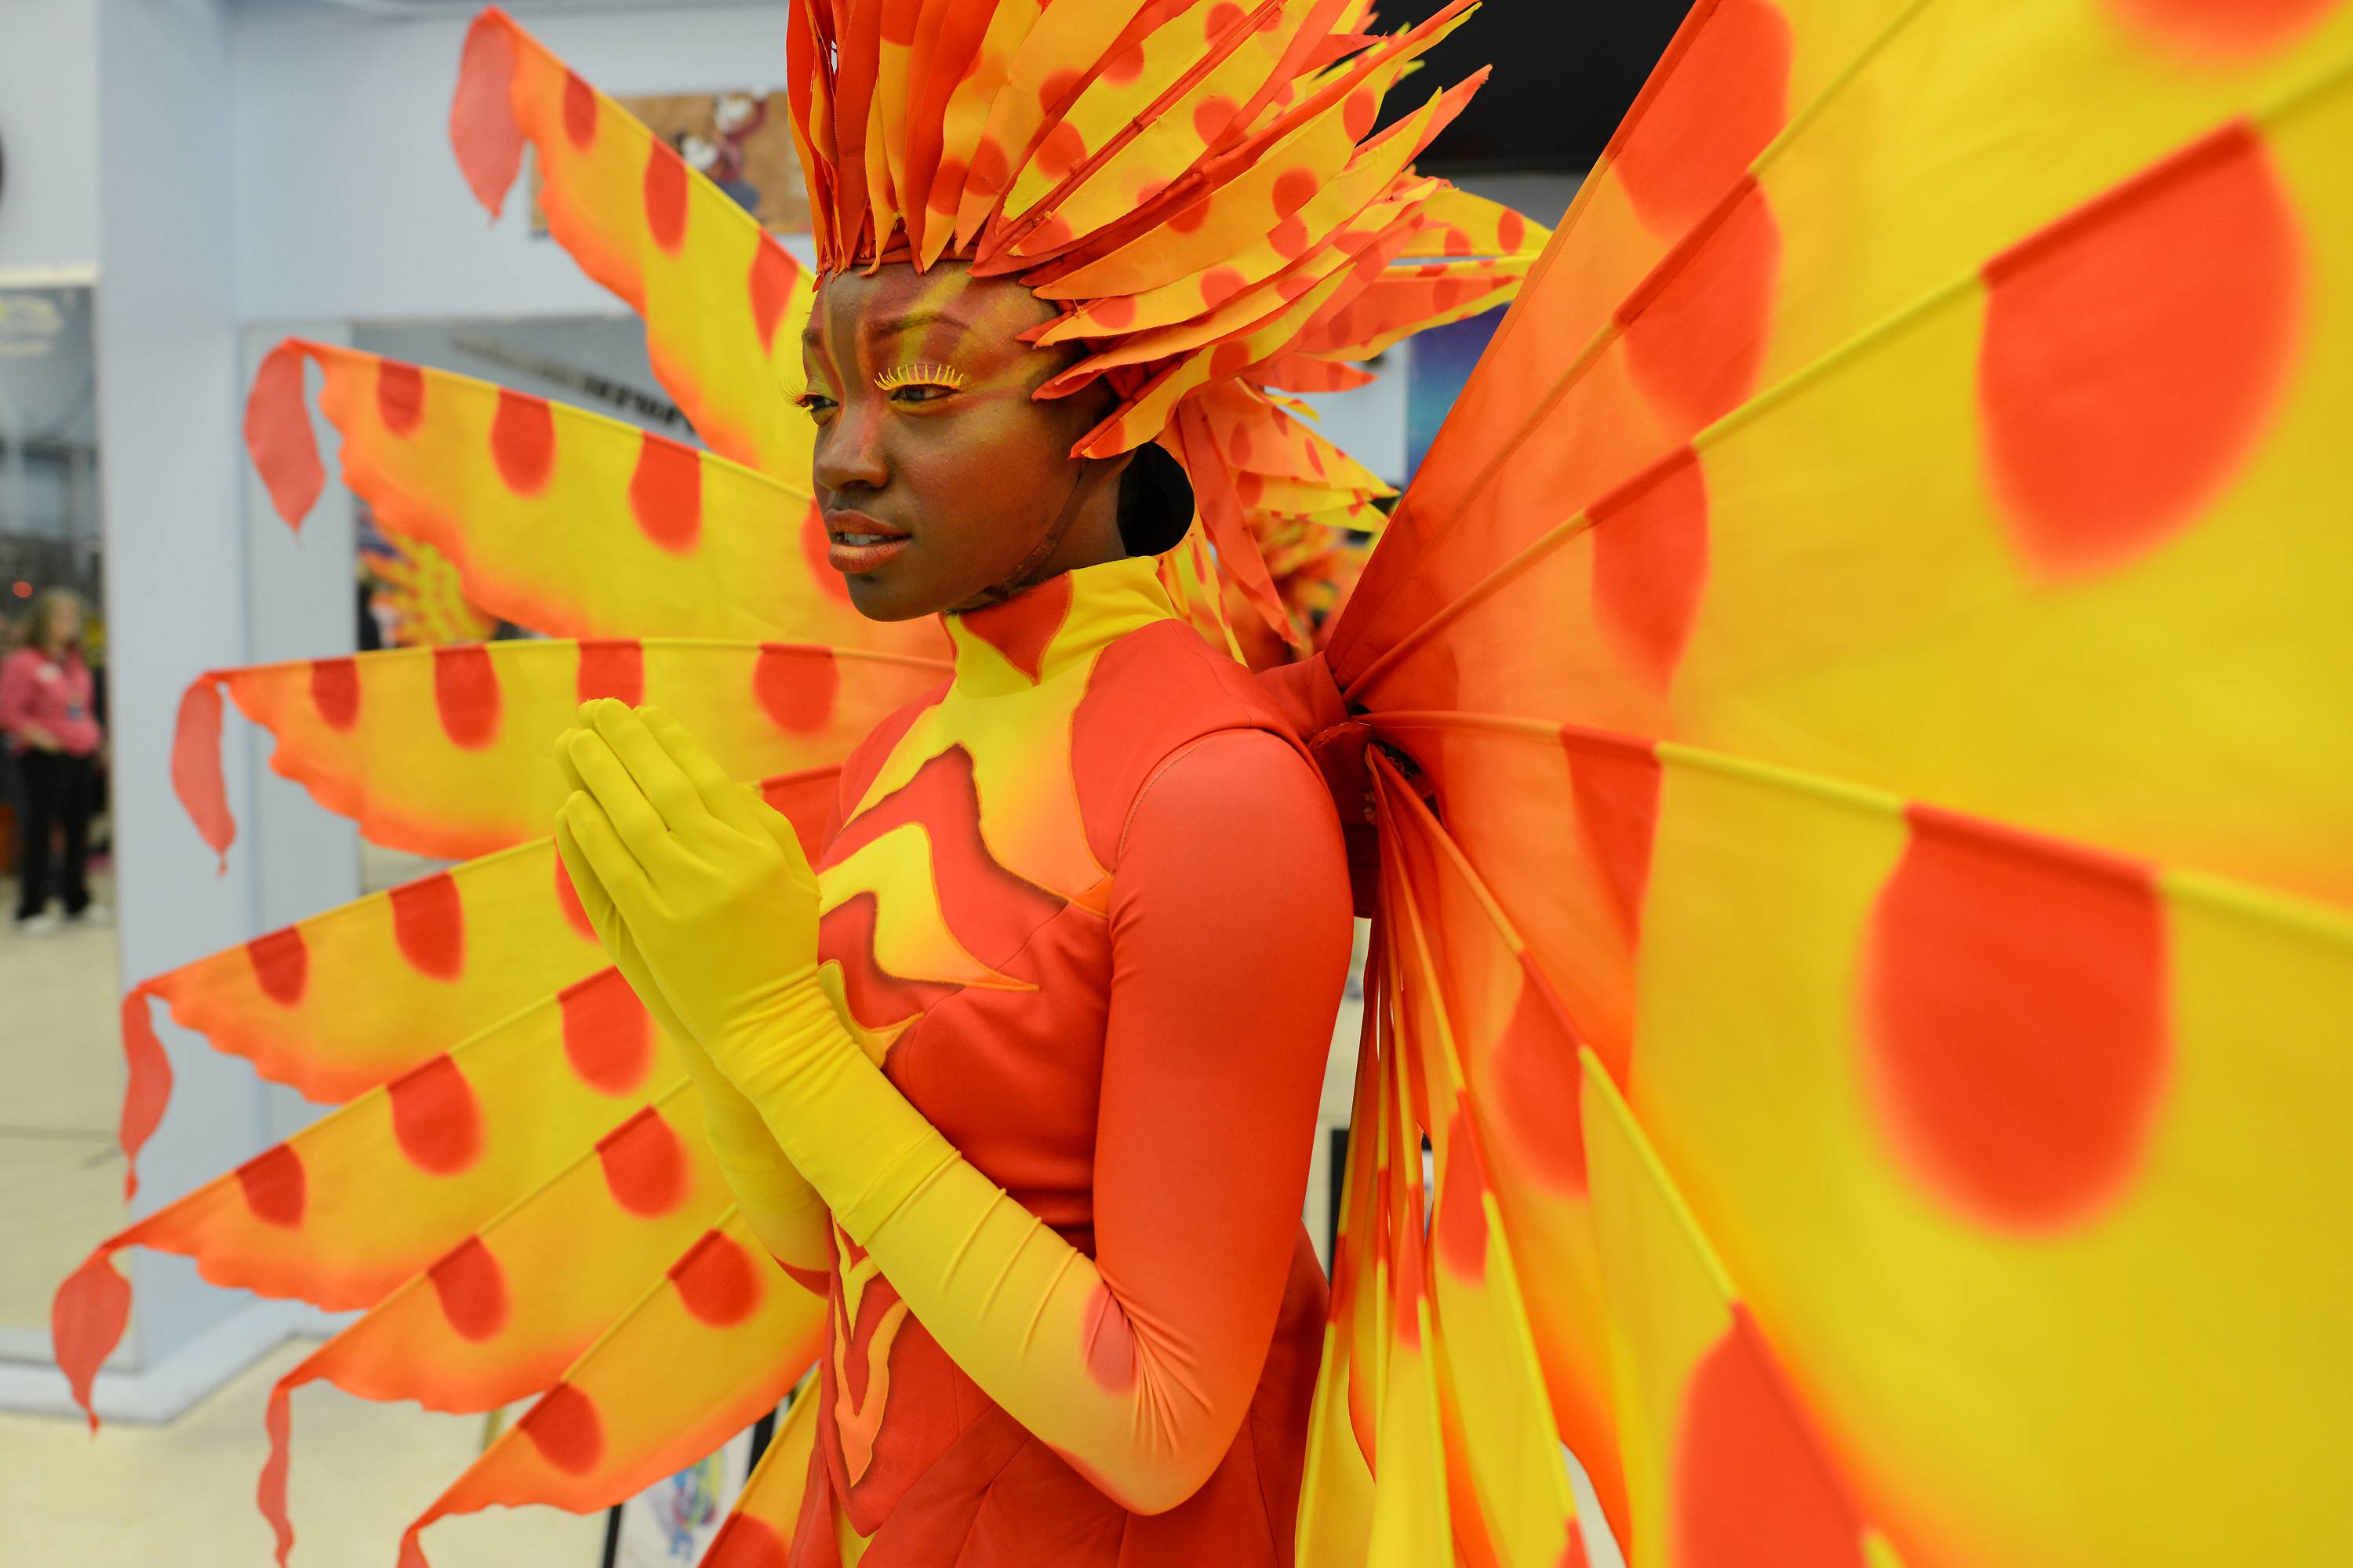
<point x="877" y="598"/>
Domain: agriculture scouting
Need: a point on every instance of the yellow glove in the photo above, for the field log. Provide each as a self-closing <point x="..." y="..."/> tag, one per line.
<point x="710" y="888"/>
<point x="781" y="1207"/>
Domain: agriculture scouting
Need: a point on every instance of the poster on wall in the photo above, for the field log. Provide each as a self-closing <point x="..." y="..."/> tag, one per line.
<point x="743" y="141"/>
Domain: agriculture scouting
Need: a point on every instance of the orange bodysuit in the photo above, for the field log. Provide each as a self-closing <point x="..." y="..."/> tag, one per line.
<point x="1087" y="907"/>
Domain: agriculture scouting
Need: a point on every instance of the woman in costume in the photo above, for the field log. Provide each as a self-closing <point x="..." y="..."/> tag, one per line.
<point x="1850" y="708"/>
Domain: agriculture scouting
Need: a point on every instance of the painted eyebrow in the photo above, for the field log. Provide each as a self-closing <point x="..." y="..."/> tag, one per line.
<point x="890" y="326"/>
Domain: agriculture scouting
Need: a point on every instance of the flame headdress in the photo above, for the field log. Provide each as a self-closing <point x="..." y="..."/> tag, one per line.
<point x="1864" y="911"/>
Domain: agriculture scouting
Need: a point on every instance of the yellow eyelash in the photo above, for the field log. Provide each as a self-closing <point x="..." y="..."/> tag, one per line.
<point x="900" y="375"/>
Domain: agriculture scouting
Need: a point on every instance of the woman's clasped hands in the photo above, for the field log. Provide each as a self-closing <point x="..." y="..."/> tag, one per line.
<point x="698" y="890"/>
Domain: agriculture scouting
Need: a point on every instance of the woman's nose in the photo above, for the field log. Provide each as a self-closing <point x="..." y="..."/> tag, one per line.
<point x="849" y="452"/>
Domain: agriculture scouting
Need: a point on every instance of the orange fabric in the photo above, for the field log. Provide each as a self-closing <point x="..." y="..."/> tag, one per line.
<point x="1144" y="1084"/>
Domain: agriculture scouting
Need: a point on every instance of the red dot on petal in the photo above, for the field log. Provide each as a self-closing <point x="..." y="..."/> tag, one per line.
<point x="1697" y="328"/>
<point x="715" y="1281"/>
<point x="1536" y="1061"/>
<point x="1223" y="16"/>
<point x="1460" y="1228"/>
<point x="611" y="667"/>
<point x="607" y="1035"/>
<point x="335" y="692"/>
<point x="399" y="396"/>
<point x="946" y="191"/>
<point x="1745" y="1472"/>
<point x="645" y="1169"/>
<point x="1293" y="189"/>
<point x="989" y="171"/>
<point x="1615" y="783"/>
<point x="1649" y="559"/>
<point x="1125" y="66"/>
<point x="2014" y="1009"/>
<point x="523" y="441"/>
<point x="1052" y="234"/>
<point x="1191" y="218"/>
<point x="1110" y="1343"/>
<point x="773" y="273"/>
<point x="1057" y="89"/>
<point x="579" y="111"/>
<point x="563" y="1427"/>
<point x="435" y="1117"/>
<point x="666" y="493"/>
<point x="2134" y="352"/>
<point x="1212" y="115"/>
<point x="1230" y="359"/>
<point x="1220" y="284"/>
<point x="1240" y="444"/>
<point x="795" y="686"/>
<point x="1289" y="238"/>
<point x="466" y="695"/>
<point x="274" y="1186"/>
<point x="665" y="197"/>
<point x="472" y="1291"/>
<point x="281" y="965"/>
<point x="1249" y="488"/>
<point x="1061" y="151"/>
<point x="1711" y="107"/>
<point x="428" y="920"/>
<point x="2229" y="27"/>
<point x="1114" y="314"/>
<point x="1357" y="114"/>
<point x="1510" y="231"/>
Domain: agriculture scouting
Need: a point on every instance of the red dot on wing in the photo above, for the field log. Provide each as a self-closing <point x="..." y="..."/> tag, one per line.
<point x="1230" y="359"/>
<point x="815" y="551"/>
<point x="1125" y="66"/>
<point x="1057" y="89"/>
<point x="1114" y="314"/>
<point x="2134" y="352"/>
<point x="1695" y="330"/>
<point x="665" y="196"/>
<point x="1293" y="189"/>
<point x="399" y="396"/>
<point x="2014" y="1013"/>
<point x="1212" y="115"/>
<point x="274" y="1187"/>
<point x="1710" y="110"/>
<point x="611" y="667"/>
<point x="1358" y="113"/>
<point x="1110" y="1344"/>
<point x="335" y="692"/>
<point x="645" y="1169"/>
<point x="1746" y="1474"/>
<point x="435" y="1117"/>
<point x="1460" y="1228"/>
<point x="472" y="1291"/>
<point x="1535" y="1061"/>
<point x="565" y="1428"/>
<point x="281" y="965"/>
<point x="568" y="898"/>
<point x="946" y="191"/>
<point x="579" y="111"/>
<point x="1615" y="783"/>
<point x="1510" y="231"/>
<point x="1289" y="238"/>
<point x="666" y="492"/>
<point x="715" y="1282"/>
<point x="989" y="172"/>
<point x="2228" y="28"/>
<point x="523" y="441"/>
<point x="795" y="686"/>
<point x="466" y="695"/>
<point x="607" y="1035"/>
<point x="1220" y="284"/>
<point x="1649" y="559"/>
<point x="1222" y="17"/>
<point x="428" y="920"/>
<point x="770" y="287"/>
<point x="1191" y="218"/>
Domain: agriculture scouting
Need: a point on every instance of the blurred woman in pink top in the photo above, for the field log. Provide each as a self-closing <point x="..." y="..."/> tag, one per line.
<point x="48" y="715"/>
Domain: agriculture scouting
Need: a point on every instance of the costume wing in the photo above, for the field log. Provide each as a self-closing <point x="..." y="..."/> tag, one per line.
<point x="1857" y="701"/>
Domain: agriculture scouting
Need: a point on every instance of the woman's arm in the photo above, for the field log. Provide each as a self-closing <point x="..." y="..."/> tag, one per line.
<point x="1230" y="945"/>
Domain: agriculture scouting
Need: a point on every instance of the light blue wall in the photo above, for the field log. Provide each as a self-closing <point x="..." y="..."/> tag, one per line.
<point x="49" y="123"/>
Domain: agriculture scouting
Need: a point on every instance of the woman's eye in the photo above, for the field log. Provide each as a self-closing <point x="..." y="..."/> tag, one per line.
<point x="921" y="392"/>
<point x="815" y="405"/>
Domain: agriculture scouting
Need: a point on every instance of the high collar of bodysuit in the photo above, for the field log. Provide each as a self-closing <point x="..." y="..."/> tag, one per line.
<point x="1061" y="623"/>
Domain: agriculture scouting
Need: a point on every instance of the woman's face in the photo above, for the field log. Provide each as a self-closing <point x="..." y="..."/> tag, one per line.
<point x="944" y="483"/>
<point x="64" y="627"/>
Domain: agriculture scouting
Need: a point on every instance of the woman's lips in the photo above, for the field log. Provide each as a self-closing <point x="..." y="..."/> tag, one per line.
<point x="857" y="542"/>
